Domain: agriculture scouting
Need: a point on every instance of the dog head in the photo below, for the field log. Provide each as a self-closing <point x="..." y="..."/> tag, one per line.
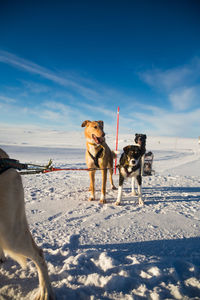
<point x="140" y="139"/>
<point x="94" y="131"/>
<point x="133" y="154"/>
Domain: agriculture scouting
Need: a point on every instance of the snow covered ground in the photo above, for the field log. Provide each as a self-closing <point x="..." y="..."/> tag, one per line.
<point x="96" y="251"/>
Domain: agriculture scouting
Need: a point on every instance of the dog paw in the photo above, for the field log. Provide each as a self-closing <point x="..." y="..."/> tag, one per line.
<point x="91" y="198"/>
<point x="113" y="187"/>
<point x="133" y="194"/>
<point x="45" y="294"/>
<point x="141" y="203"/>
<point x="117" y="203"/>
<point x="103" y="201"/>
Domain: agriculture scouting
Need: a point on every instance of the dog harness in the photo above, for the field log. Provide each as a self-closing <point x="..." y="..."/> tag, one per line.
<point x="126" y="166"/>
<point x="8" y="163"/>
<point x="97" y="156"/>
<point x="133" y="169"/>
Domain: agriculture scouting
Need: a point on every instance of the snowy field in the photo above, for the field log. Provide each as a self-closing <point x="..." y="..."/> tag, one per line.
<point x="96" y="251"/>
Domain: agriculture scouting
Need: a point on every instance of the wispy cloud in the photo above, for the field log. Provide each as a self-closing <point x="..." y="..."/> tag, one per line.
<point x="46" y="114"/>
<point x="86" y="89"/>
<point x="6" y="99"/>
<point x="183" y="98"/>
<point x="97" y="110"/>
<point x="154" y="120"/>
<point x="169" y="79"/>
<point x="65" y="115"/>
<point x="66" y="108"/>
<point x="35" y="88"/>
<point x="181" y="84"/>
<point x="33" y="68"/>
<point x="151" y="120"/>
<point x="75" y="85"/>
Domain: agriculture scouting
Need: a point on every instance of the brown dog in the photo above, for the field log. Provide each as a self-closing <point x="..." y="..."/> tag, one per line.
<point x="15" y="237"/>
<point x="98" y="155"/>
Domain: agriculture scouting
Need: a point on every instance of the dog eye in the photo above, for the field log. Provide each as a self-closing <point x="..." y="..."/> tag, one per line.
<point x="95" y="127"/>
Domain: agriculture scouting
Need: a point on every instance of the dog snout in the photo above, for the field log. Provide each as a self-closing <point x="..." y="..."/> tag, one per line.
<point x="133" y="161"/>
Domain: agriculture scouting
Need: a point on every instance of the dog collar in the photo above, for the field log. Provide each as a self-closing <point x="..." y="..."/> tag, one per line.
<point x="133" y="169"/>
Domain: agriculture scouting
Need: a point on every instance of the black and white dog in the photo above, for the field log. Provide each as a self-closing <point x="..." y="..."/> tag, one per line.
<point x="130" y="166"/>
<point x="140" y="140"/>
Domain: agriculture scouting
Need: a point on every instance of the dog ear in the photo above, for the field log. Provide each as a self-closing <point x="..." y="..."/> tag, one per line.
<point x="126" y="149"/>
<point x="101" y="124"/>
<point x="85" y="123"/>
<point x="136" y="137"/>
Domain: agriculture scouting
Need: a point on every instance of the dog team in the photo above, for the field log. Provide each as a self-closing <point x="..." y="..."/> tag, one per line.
<point x="99" y="156"/>
<point x="15" y="237"/>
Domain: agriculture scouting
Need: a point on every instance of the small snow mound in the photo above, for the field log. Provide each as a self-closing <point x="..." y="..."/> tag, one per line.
<point x="140" y="291"/>
<point x="154" y="295"/>
<point x="154" y="271"/>
<point x="194" y="282"/>
<point x="175" y="291"/>
<point x="145" y="275"/>
<point x="94" y="280"/>
<point x="104" y="262"/>
<point x="133" y="259"/>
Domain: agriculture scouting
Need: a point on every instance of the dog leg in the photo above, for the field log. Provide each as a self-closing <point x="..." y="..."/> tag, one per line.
<point x="15" y="236"/>
<point x="133" y="186"/>
<point x="142" y="165"/>
<point x="119" y="196"/>
<point x="27" y="248"/>
<point x="113" y="187"/>
<point x="92" y="185"/>
<point x="103" y="187"/>
<point x="139" y="181"/>
<point x="45" y="291"/>
<point x="2" y="256"/>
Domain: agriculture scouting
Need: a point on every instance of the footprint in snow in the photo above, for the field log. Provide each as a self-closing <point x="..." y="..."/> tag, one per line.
<point x="54" y="216"/>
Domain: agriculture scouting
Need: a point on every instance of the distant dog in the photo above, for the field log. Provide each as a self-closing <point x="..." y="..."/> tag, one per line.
<point x="15" y="237"/>
<point x="98" y="155"/>
<point x="130" y="167"/>
<point x="140" y="139"/>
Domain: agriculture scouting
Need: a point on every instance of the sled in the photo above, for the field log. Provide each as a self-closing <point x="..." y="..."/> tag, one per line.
<point x="148" y="162"/>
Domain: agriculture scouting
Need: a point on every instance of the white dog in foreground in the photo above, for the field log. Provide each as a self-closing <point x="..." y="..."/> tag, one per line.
<point x="15" y="237"/>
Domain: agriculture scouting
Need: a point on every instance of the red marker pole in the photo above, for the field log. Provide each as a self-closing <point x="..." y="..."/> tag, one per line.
<point x="117" y="138"/>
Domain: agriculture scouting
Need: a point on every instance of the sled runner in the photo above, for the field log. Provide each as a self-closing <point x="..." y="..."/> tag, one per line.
<point x="148" y="162"/>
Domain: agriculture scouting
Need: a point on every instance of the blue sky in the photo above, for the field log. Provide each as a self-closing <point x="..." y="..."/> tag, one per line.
<point x="62" y="62"/>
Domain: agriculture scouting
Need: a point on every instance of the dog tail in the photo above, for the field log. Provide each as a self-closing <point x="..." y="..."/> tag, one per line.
<point x="115" y="153"/>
